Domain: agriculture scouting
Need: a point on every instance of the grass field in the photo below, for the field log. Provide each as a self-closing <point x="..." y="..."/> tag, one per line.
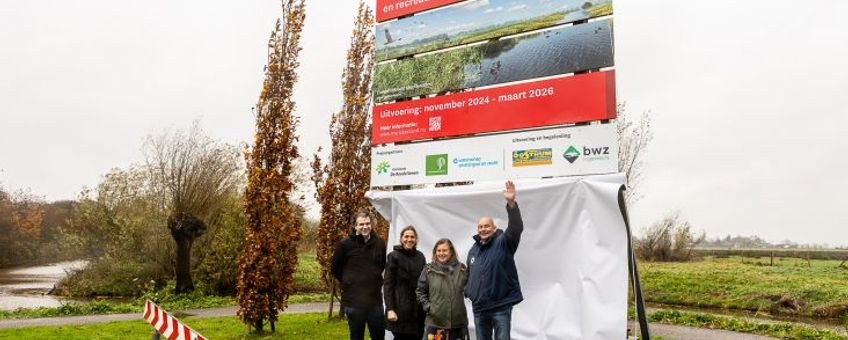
<point x="290" y="326"/>
<point x="818" y="288"/>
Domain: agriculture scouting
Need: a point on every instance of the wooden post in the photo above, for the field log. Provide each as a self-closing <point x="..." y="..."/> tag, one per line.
<point x="772" y="258"/>
<point x="155" y="335"/>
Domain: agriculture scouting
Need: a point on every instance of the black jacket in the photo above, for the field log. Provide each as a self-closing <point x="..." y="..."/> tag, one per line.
<point x="492" y="275"/>
<point x="403" y="267"/>
<point x="358" y="265"/>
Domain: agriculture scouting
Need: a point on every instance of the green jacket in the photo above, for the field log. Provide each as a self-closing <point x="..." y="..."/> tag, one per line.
<point x="440" y="293"/>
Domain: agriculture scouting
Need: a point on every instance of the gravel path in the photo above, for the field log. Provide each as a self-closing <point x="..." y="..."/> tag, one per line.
<point x="669" y="332"/>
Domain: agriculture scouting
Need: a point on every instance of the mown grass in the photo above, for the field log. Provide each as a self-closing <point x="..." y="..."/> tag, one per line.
<point x="790" y="287"/>
<point x="290" y="326"/>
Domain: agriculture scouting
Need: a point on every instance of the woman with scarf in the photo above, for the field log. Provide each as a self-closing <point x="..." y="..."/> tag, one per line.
<point x="403" y="266"/>
<point x="440" y="293"/>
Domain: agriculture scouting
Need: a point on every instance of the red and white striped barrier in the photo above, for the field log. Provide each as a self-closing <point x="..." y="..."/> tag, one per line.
<point x="167" y="325"/>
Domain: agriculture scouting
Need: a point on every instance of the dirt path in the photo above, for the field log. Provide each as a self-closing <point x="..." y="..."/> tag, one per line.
<point x="669" y="332"/>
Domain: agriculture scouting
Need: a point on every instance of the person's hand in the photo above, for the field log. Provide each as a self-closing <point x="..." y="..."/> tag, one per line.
<point x="509" y="193"/>
<point x="391" y="315"/>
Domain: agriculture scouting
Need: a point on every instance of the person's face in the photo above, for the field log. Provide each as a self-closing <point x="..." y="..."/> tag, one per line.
<point x="443" y="252"/>
<point x="363" y="226"/>
<point x="408" y="239"/>
<point x="485" y="228"/>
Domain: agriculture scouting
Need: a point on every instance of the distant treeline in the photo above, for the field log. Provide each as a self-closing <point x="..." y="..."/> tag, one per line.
<point x="809" y="253"/>
<point x="31" y="229"/>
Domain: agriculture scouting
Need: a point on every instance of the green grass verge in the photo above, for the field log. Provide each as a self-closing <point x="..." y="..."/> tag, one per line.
<point x="789" y="288"/>
<point x="176" y="304"/>
<point x="782" y="330"/>
<point x="316" y="326"/>
<point x="290" y="326"/>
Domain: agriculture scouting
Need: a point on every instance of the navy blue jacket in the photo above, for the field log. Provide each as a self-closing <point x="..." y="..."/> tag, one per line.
<point x="493" y="277"/>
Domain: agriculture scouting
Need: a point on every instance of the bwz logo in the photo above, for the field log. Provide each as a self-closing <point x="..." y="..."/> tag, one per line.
<point x="572" y="154"/>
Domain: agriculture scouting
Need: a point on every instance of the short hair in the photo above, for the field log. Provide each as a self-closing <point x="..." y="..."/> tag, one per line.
<point x="450" y="245"/>
<point x="360" y="213"/>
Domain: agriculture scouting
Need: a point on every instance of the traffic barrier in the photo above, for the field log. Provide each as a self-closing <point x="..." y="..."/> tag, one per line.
<point x="167" y="325"/>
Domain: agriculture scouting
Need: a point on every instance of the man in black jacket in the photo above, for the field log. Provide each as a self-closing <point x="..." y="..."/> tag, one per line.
<point x="493" y="285"/>
<point x="358" y="264"/>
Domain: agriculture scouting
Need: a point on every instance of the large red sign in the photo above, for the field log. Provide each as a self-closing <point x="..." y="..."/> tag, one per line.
<point x="579" y="98"/>
<point x="390" y="9"/>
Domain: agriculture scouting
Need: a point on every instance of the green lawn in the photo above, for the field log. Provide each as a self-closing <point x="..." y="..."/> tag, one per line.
<point x="290" y="326"/>
<point x="790" y="287"/>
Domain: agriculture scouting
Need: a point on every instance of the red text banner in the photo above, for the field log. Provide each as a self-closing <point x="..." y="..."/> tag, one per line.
<point x="579" y="98"/>
<point x="390" y="9"/>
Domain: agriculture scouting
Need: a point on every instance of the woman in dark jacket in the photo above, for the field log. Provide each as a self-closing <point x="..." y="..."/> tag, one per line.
<point x="403" y="266"/>
<point x="440" y="292"/>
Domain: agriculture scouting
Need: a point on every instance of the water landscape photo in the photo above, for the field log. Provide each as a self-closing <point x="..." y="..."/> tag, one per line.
<point x="478" y="20"/>
<point x="546" y="53"/>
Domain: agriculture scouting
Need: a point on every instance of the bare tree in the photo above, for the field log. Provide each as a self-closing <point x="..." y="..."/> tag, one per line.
<point x="273" y="226"/>
<point x="633" y="138"/>
<point x="669" y="239"/>
<point x="342" y="182"/>
<point x="193" y="173"/>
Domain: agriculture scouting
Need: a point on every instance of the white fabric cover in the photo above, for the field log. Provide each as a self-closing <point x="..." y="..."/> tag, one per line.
<point x="572" y="259"/>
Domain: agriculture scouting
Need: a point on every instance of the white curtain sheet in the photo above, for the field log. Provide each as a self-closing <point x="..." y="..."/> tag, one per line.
<point x="572" y="259"/>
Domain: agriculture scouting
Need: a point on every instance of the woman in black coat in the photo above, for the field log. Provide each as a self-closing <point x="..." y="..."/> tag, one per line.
<point x="403" y="267"/>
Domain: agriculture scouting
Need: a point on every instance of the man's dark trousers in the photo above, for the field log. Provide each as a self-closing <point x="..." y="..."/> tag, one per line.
<point x="358" y="317"/>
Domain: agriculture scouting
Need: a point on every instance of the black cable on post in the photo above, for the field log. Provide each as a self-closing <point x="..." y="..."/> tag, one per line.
<point x="641" y="316"/>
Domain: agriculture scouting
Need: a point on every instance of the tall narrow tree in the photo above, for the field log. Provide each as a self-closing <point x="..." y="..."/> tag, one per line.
<point x="272" y="231"/>
<point x="342" y="182"/>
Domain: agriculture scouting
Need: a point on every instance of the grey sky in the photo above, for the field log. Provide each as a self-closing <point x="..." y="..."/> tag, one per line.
<point x="745" y="97"/>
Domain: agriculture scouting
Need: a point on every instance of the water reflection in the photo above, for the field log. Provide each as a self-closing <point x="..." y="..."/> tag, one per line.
<point x="28" y="287"/>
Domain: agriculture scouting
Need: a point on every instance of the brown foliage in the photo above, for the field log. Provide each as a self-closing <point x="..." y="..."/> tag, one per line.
<point x="272" y="230"/>
<point x="342" y="182"/>
<point x="21" y="217"/>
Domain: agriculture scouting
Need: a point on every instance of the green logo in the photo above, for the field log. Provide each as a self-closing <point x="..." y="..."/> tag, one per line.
<point x="437" y="165"/>
<point x="571" y="154"/>
<point x="383" y="167"/>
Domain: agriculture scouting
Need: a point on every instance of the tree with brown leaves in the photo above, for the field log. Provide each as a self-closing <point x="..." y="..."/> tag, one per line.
<point x="273" y="229"/>
<point x="342" y="182"/>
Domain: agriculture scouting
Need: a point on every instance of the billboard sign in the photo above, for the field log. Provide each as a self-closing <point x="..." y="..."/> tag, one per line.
<point x="390" y="9"/>
<point x="540" y="54"/>
<point x="573" y="99"/>
<point x="475" y="21"/>
<point x="562" y="151"/>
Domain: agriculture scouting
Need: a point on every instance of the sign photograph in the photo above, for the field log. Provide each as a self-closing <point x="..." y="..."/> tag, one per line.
<point x="546" y="53"/>
<point x="562" y="151"/>
<point x="475" y="21"/>
<point x="573" y="99"/>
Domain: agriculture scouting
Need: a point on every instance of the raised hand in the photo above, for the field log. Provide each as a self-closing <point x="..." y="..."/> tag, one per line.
<point x="509" y="193"/>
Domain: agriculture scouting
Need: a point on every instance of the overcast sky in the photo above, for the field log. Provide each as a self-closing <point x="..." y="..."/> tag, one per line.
<point x="746" y="97"/>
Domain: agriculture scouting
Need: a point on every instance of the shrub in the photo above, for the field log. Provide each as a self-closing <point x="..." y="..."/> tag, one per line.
<point x="669" y="239"/>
